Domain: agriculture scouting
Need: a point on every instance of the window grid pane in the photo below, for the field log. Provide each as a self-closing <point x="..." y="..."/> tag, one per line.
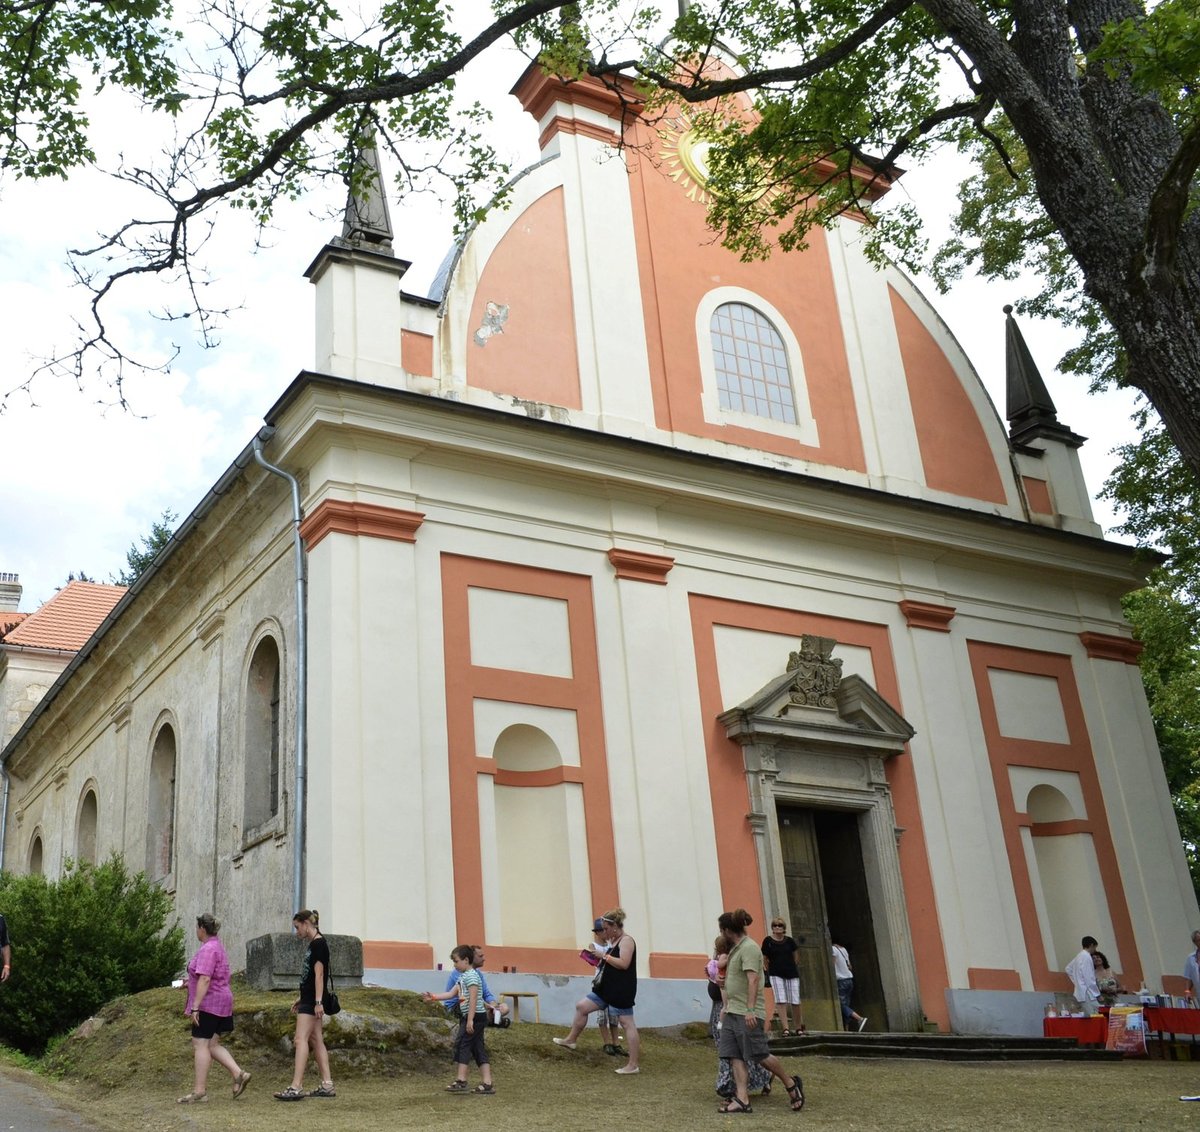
<point x="751" y="364"/>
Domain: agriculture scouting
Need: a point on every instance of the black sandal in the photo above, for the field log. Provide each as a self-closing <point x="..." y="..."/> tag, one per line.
<point x="795" y="1092"/>
<point x="734" y="1107"/>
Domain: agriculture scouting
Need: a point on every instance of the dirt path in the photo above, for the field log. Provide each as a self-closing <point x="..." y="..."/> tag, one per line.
<point x="26" y="1108"/>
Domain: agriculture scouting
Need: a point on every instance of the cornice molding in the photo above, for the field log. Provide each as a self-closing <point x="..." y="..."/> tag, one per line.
<point x="337" y="516"/>
<point x="926" y="615"/>
<point x="638" y="566"/>
<point x="1106" y="646"/>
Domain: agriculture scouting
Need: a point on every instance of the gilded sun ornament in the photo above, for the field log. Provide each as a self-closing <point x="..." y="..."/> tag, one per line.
<point x="684" y="153"/>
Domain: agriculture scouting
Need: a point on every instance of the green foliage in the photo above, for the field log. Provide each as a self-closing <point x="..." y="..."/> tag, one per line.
<point x="1161" y="52"/>
<point x="78" y="942"/>
<point x="1170" y="665"/>
<point x="49" y="48"/>
<point x="138" y="558"/>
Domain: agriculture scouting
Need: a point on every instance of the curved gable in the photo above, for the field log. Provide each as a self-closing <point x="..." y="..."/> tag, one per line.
<point x="953" y="442"/>
<point x="527" y="280"/>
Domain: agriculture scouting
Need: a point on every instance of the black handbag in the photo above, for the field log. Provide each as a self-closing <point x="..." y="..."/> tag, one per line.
<point x="329" y="1001"/>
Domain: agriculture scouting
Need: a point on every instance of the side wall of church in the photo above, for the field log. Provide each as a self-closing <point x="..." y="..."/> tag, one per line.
<point x="145" y="752"/>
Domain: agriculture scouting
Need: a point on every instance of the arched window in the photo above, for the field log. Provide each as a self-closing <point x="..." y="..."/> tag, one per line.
<point x="262" y="712"/>
<point x="751" y="364"/>
<point x="160" y="810"/>
<point x="35" y="856"/>
<point x="85" y="828"/>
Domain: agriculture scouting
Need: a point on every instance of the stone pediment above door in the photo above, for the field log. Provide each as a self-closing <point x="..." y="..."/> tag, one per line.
<point x="812" y="706"/>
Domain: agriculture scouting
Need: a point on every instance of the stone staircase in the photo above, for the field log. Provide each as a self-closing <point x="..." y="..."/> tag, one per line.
<point x="940" y="1047"/>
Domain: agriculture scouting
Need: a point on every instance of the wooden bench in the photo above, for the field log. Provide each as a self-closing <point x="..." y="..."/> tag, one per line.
<point x="516" y="996"/>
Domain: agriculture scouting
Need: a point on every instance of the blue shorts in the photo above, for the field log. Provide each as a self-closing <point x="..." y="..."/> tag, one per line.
<point x="619" y="1011"/>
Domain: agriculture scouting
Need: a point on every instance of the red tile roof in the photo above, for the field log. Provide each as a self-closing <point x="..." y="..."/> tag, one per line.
<point x="67" y="620"/>
<point x="9" y="621"/>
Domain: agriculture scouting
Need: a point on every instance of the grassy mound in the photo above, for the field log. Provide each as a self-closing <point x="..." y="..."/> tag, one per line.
<point x="379" y="1033"/>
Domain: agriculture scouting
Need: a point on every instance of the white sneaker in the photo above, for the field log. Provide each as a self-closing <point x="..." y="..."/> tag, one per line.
<point x="861" y="1023"/>
<point x="563" y="1042"/>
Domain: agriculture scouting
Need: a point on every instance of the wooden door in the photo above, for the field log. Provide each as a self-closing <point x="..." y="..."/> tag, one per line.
<point x="848" y="907"/>
<point x="808" y="921"/>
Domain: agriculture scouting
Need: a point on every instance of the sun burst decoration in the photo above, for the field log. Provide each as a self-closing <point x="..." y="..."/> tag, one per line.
<point x="684" y="154"/>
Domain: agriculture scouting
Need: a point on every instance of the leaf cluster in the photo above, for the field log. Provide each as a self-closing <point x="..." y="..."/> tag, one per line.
<point x="95" y="934"/>
<point x="49" y="47"/>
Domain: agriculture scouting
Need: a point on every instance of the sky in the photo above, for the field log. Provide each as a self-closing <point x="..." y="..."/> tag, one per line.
<point x="80" y="480"/>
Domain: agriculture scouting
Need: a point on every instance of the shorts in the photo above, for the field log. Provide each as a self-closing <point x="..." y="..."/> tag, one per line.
<point x="742" y="1044"/>
<point x="306" y="1008"/>
<point x="210" y="1025"/>
<point x="615" y="1011"/>
<point x="471" y="1047"/>
<point x="785" y="990"/>
<point x="606" y="1016"/>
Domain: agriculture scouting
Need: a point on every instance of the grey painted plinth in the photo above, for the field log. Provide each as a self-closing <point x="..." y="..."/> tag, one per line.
<point x="1006" y="1013"/>
<point x="273" y="961"/>
<point x="660" y="1002"/>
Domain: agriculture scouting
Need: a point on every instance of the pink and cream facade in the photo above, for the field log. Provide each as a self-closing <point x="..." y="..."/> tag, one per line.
<point x="588" y="536"/>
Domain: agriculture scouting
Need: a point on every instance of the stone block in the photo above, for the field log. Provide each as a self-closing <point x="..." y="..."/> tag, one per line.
<point x="273" y="961"/>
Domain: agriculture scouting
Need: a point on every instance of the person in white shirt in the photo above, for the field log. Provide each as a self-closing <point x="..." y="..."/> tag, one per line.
<point x="1082" y="973"/>
<point x="1191" y="967"/>
<point x="843" y="972"/>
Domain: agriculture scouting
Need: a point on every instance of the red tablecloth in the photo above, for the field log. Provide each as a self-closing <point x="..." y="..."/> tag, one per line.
<point x="1169" y="1020"/>
<point x="1086" y="1031"/>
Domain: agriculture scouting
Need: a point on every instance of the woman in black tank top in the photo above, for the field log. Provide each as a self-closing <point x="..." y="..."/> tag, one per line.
<point x="614" y="989"/>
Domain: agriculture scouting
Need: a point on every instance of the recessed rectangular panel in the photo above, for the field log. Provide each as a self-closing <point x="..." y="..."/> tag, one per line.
<point x="1028" y="706"/>
<point x="520" y="632"/>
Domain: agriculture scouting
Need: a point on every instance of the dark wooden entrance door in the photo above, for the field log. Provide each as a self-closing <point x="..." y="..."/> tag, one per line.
<point x="848" y="908"/>
<point x="809" y="924"/>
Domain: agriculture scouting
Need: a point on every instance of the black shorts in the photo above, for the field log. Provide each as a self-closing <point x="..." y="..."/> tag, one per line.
<point x="306" y="1008"/>
<point x="210" y="1025"/>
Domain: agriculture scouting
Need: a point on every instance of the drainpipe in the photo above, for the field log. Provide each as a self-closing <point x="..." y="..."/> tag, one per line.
<point x="298" y="819"/>
<point x="3" y="813"/>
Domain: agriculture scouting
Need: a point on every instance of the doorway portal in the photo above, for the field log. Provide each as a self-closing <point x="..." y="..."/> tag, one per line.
<point x="815" y="747"/>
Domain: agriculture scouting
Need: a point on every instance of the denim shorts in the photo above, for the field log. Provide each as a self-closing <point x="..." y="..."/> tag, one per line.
<point x="618" y="1011"/>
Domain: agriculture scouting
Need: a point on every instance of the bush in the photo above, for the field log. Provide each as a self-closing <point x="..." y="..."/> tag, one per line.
<point x="78" y="942"/>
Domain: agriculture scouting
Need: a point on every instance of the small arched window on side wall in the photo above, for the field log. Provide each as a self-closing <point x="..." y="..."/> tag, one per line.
<point x="36" y="864"/>
<point x="160" y="809"/>
<point x="86" y="826"/>
<point x="751" y="369"/>
<point x="262" y="731"/>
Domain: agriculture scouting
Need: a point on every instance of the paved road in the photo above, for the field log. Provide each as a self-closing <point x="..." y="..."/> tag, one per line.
<point x="25" y="1108"/>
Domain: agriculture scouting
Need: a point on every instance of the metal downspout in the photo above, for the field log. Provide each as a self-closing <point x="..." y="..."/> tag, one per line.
<point x="3" y="813"/>
<point x="301" y="674"/>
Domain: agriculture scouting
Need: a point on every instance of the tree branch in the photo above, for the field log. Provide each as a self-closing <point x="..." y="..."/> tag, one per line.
<point x="702" y="89"/>
<point x="1168" y="206"/>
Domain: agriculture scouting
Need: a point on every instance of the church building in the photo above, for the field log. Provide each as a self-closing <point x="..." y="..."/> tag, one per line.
<point x="631" y="574"/>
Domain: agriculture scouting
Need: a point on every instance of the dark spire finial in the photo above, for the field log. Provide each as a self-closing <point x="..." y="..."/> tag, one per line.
<point x="367" y="221"/>
<point x="1028" y="406"/>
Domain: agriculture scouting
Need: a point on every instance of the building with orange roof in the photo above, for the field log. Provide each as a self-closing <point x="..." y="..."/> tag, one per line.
<point x="36" y="647"/>
<point x="634" y="574"/>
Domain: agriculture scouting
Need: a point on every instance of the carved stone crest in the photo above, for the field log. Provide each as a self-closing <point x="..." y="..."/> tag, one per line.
<point x="816" y="676"/>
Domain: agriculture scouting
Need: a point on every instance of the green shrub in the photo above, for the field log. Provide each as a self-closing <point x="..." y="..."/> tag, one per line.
<point x="78" y="942"/>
